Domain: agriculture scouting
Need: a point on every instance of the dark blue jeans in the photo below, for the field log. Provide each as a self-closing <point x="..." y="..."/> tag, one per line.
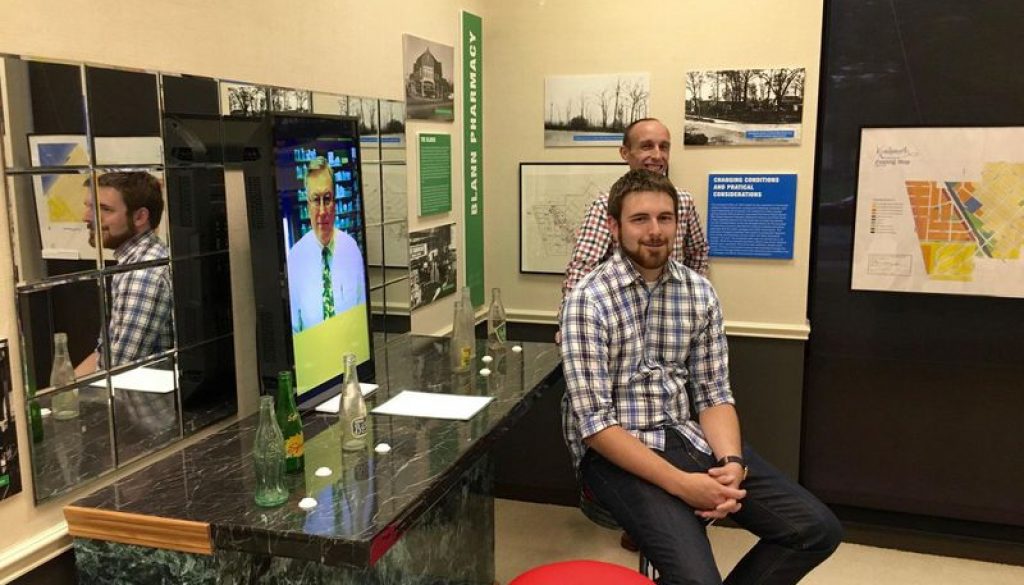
<point x="797" y="531"/>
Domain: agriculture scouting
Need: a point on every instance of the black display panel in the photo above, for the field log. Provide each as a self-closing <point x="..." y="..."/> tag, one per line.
<point x="303" y="198"/>
<point x="911" y="400"/>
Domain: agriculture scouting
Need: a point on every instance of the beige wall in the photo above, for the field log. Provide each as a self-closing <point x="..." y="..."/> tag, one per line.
<point x="350" y="46"/>
<point x="360" y="54"/>
<point x="525" y="41"/>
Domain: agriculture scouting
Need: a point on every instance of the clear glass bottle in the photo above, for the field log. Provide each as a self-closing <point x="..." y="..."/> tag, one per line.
<point x="268" y="458"/>
<point x="497" y="333"/>
<point x="291" y="424"/>
<point x="65" y="403"/>
<point x="462" y="344"/>
<point x="353" y="408"/>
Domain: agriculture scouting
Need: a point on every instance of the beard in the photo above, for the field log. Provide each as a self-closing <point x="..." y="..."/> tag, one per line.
<point x="645" y="257"/>
<point x="110" y="241"/>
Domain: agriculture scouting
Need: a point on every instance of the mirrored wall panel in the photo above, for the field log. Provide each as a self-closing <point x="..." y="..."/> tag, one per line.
<point x="124" y="117"/>
<point x="146" y="414"/>
<point x="206" y="380"/>
<point x="115" y="186"/>
<point x="70" y="431"/>
<point x="51" y="215"/>
<point x="116" y="192"/>
<point x="45" y="105"/>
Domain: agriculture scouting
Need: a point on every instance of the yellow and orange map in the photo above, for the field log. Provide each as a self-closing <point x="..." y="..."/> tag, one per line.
<point x="957" y="222"/>
<point x="940" y="211"/>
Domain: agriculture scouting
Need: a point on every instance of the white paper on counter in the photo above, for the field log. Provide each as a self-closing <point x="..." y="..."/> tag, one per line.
<point x="142" y="380"/>
<point x="433" y="405"/>
<point x="331" y="406"/>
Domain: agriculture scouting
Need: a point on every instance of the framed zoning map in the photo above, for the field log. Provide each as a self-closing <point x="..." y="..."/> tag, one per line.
<point x="553" y="197"/>
<point x="940" y="210"/>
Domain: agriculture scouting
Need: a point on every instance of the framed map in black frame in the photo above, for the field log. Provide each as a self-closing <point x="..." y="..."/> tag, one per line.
<point x="553" y="197"/>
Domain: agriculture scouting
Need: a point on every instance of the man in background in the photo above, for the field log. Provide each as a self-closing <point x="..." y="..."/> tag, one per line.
<point x="646" y="144"/>
<point x="129" y="206"/>
<point x="325" y="267"/>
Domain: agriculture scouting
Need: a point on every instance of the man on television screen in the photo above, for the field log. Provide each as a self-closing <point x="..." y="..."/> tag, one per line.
<point x="325" y="267"/>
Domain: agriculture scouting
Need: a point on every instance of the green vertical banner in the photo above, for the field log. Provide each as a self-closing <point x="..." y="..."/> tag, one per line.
<point x="435" y="173"/>
<point x="473" y="152"/>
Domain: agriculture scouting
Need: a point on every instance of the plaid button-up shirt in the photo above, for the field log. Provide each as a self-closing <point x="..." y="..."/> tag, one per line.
<point x="140" y="303"/>
<point x="594" y="242"/>
<point x="630" y="349"/>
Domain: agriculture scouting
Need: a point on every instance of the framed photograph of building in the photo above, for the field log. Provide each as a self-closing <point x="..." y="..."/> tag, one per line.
<point x="429" y="79"/>
<point x="553" y="198"/>
<point x="433" y="265"/>
<point x="744" y="107"/>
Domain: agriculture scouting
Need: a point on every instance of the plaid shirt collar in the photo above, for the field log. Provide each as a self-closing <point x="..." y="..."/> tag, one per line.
<point x="128" y="251"/>
<point x="625" y="273"/>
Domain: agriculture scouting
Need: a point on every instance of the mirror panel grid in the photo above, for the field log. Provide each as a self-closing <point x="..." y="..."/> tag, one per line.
<point x="44" y="112"/>
<point x="146" y="413"/>
<point x="71" y="132"/>
<point x="206" y="381"/>
<point x="202" y="299"/>
<point x="70" y="446"/>
<point x="74" y="309"/>
<point x="48" y="216"/>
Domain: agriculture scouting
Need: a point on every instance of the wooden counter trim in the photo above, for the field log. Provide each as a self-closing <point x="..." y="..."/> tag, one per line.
<point x="139" y="529"/>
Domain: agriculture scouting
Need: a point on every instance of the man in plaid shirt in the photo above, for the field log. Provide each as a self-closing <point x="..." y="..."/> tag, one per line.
<point x="641" y="333"/>
<point x="645" y="145"/>
<point x="129" y="207"/>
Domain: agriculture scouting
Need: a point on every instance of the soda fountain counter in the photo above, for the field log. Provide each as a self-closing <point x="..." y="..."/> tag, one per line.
<point x="420" y="512"/>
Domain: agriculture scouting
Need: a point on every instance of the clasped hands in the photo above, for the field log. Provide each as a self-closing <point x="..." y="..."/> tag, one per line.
<point x="715" y="494"/>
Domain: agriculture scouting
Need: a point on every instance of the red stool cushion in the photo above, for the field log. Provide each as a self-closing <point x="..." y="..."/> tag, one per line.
<point x="581" y="573"/>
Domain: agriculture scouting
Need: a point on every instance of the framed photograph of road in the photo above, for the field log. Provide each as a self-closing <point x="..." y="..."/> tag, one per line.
<point x="593" y="110"/>
<point x="553" y="198"/>
<point x="429" y="79"/>
<point x="744" y="107"/>
<point x="940" y="210"/>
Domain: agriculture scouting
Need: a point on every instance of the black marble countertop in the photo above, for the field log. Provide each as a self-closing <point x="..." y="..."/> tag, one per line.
<point x="369" y="499"/>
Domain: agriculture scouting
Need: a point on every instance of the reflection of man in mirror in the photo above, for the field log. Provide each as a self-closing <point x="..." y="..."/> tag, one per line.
<point x="325" y="267"/>
<point x="129" y="208"/>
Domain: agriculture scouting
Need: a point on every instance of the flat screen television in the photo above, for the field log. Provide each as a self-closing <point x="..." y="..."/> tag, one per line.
<point x="309" y="259"/>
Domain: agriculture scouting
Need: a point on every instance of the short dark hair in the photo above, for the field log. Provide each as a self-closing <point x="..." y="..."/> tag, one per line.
<point x="139" y="190"/>
<point x="637" y="181"/>
<point x="629" y="129"/>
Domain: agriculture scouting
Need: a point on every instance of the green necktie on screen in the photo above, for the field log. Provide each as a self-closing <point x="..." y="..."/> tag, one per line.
<point x="328" y="291"/>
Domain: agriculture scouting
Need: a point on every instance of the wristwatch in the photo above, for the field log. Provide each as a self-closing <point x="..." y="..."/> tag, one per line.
<point x="734" y="459"/>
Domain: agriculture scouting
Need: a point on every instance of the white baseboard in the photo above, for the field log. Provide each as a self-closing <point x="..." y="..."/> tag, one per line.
<point x="17" y="560"/>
